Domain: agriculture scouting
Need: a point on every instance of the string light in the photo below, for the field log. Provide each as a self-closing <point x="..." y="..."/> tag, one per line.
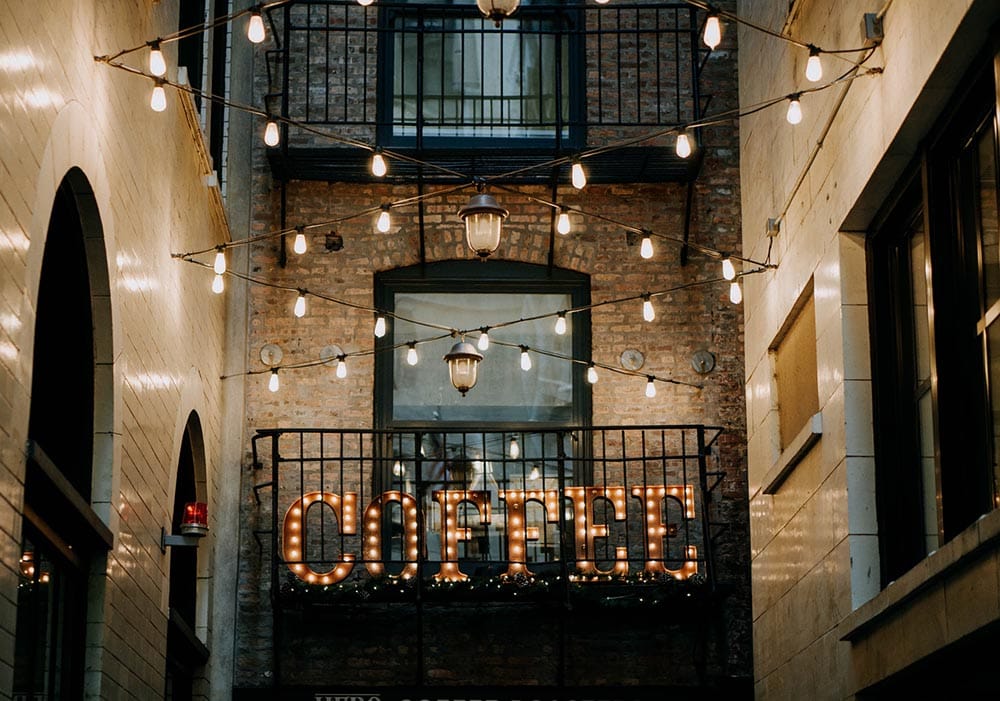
<point x="220" y="261"/>
<point x="592" y="376"/>
<point x="300" y="304"/>
<point x="650" y="386"/>
<point x="384" y="222"/>
<point x="157" y="64"/>
<point x="218" y="284"/>
<point x="713" y="31"/>
<point x="299" y="245"/>
<point x="794" y="115"/>
<point x="341" y="367"/>
<point x="274" y="384"/>
<point x="646" y="248"/>
<point x="158" y="98"/>
<point x="728" y="270"/>
<point x="814" y="67"/>
<point x="683" y="145"/>
<point x="379" y="326"/>
<point x="255" y="29"/>
<point x="484" y="339"/>
<point x="561" y="324"/>
<point x="272" y="135"/>
<point x="378" y="166"/>
<point x="648" y="313"/>
<point x="579" y="175"/>
<point x="525" y="359"/>
<point x="411" y="354"/>
<point x="562" y="223"/>
<point x="735" y="292"/>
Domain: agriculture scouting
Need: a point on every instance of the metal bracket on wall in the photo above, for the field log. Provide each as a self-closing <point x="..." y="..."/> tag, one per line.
<point x="177" y="541"/>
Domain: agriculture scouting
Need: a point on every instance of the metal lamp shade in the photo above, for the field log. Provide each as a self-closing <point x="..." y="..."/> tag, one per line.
<point x="463" y="366"/>
<point x="498" y="10"/>
<point x="483" y="218"/>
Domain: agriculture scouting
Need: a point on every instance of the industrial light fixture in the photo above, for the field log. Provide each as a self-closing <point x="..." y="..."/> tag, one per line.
<point x="463" y="365"/>
<point x="483" y="218"/>
<point x="497" y="10"/>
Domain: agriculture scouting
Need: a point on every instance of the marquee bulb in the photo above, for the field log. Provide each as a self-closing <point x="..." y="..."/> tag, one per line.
<point x="650" y="388"/>
<point x="158" y="100"/>
<point x="272" y="136"/>
<point x="728" y="270"/>
<point x="220" y="263"/>
<point x="579" y="176"/>
<point x="525" y="360"/>
<point x="484" y="341"/>
<point x="814" y="67"/>
<point x="648" y="313"/>
<point x="562" y="223"/>
<point x="299" y="245"/>
<point x="157" y="64"/>
<point x="341" y="368"/>
<point x="384" y="222"/>
<point x="300" y="305"/>
<point x="683" y="145"/>
<point x="646" y="249"/>
<point x="255" y="30"/>
<point x="592" y="374"/>
<point x="713" y="32"/>
<point x="794" y="115"/>
<point x="379" y="167"/>
<point x="561" y="324"/>
<point x="274" y="384"/>
<point x="380" y="326"/>
<point x="411" y="355"/>
<point x="735" y="292"/>
<point x="218" y="284"/>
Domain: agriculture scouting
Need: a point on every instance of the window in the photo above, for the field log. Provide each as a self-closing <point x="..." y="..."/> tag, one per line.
<point x="454" y="75"/>
<point x="935" y="300"/>
<point x="795" y="371"/>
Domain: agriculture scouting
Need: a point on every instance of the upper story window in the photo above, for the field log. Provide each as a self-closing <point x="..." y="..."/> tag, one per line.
<point x="935" y="302"/>
<point x="449" y="74"/>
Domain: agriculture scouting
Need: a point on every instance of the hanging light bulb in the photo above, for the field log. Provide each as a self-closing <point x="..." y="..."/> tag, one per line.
<point x="728" y="270"/>
<point x="650" y="387"/>
<point x="158" y="99"/>
<point x="648" y="313"/>
<point x="379" y="167"/>
<point x="341" y="367"/>
<point x="683" y="145"/>
<point x="411" y="354"/>
<point x="563" y="223"/>
<point x="463" y="366"/>
<point x="561" y="324"/>
<point x="484" y="339"/>
<point x="814" y="67"/>
<point x="365" y="3"/>
<point x="592" y="374"/>
<point x="497" y="10"/>
<point x="514" y="449"/>
<point x="272" y="135"/>
<point x="274" y="384"/>
<point x="735" y="292"/>
<point x="300" y="304"/>
<point x="713" y="32"/>
<point x="483" y="218"/>
<point x="299" y="244"/>
<point x="255" y="29"/>
<point x="220" y="262"/>
<point x="646" y="248"/>
<point x="794" y="115"/>
<point x="157" y="64"/>
<point x="525" y="359"/>
<point x="218" y="284"/>
<point x="579" y="175"/>
<point x="379" y="326"/>
<point x="384" y="222"/>
<point x="535" y="473"/>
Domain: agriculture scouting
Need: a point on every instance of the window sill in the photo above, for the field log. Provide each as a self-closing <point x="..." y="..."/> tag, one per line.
<point x="793" y="454"/>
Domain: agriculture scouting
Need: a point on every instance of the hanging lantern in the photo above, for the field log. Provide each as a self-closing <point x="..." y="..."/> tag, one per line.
<point x="483" y="218"/>
<point x="498" y="10"/>
<point x="463" y="365"/>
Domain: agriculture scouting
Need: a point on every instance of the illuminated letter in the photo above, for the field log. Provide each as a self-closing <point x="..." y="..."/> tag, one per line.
<point x="656" y="530"/>
<point x="518" y="531"/>
<point x="587" y="530"/>
<point x="373" y="533"/>
<point x="293" y="537"/>
<point x="451" y="533"/>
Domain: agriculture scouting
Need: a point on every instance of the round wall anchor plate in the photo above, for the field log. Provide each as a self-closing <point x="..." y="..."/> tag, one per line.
<point x="703" y="362"/>
<point x="632" y="359"/>
<point x="271" y="355"/>
<point x="329" y="353"/>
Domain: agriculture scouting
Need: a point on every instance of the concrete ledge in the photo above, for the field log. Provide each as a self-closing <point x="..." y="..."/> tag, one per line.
<point x="793" y="454"/>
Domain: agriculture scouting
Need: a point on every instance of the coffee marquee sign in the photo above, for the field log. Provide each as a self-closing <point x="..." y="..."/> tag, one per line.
<point x="518" y="532"/>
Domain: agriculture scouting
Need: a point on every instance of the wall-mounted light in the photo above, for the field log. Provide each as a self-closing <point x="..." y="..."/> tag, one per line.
<point x="194" y="527"/>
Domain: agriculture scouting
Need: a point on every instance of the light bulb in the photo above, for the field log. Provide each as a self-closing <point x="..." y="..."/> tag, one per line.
<point x="592" y="374"/>
<point x="794" y="115"/>
<point x="603" y="2"/>
<point x="384" y="222"/>
<point x="341" y="368"/>
<point x="380" y="326"/>
<point x="398" y="469"/>
<point x="579" y="176"/>
<point x="484" y="341"/>
<point x="728" y="270"/>
<point x="220" y="263"/>
<point x="158" y="100"/>
<point x="274" y="384"/>
<point x="525" y="360"/>
<point x="535" y="472"/>
<point x="683" y="145"/>
<point x="646" y="249"/>
<point x="713" y="32"/>
<point x="648" y="313"/>
<point x="300" y="305"/>
<point x="411" y="355"/>
<point x="157" y="64"/>
<point x="561" y="324"/>
<point x="650" y="388"/>
<point x="272" y="136"/>
<point x="299" y="245"/>
<point x="255" y="29"/>
<point x="514" y="450"/>
<point x="379" y="167"/>
<point x="365" y="3"/>
<point x="562" y="223"/>
<point x="735" y="292"/>
<point x="218" y="284"/>
<point x="814" y="67"/>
